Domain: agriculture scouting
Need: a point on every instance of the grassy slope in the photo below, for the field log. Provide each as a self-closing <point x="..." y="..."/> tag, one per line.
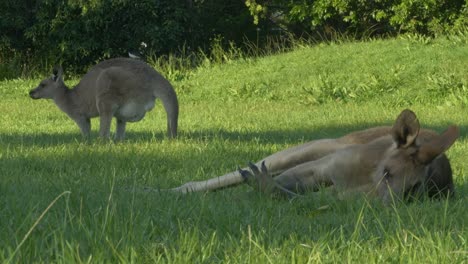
<point x="231" y="114"/>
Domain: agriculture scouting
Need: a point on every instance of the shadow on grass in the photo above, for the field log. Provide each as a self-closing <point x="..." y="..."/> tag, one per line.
<point x="120" y="161"/>
<point x="264" y="137"/>
<point x="99" y="164"/>
<point x="29" y="182"/>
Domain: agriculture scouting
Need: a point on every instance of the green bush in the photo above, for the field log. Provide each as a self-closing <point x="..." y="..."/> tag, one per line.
<point x="362" y="17"/>
<point x="78" y="33"/>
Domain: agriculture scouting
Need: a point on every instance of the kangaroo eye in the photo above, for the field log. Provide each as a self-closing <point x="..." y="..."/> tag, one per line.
<point x="386" y="174"/>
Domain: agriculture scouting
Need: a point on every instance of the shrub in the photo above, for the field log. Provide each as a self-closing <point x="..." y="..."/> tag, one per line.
<point x="78" y="33"/>
<point x="362" y="17"/>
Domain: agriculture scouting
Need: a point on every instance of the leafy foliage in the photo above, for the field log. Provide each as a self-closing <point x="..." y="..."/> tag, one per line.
<point x="363" y="17"/>
<point x="81" y="32"/>
<point x="77" y="33"/>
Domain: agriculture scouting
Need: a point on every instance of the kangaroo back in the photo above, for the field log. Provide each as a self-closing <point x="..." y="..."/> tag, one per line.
<point x="146" y="81"/>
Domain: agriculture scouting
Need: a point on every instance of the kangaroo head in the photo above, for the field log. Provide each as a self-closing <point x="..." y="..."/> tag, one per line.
<point x="49" y="87"/>
<point x="404" y="164"/>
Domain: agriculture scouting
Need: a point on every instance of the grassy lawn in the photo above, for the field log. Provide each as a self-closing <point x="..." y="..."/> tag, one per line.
<point x="230" y="114"/>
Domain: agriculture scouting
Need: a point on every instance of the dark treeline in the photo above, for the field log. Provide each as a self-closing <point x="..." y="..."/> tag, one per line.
<point x="78" y="33"/>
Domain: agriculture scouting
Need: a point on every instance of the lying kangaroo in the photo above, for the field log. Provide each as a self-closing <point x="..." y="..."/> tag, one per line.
<point x="124" y="88"/>
<point x="381" y="161"/>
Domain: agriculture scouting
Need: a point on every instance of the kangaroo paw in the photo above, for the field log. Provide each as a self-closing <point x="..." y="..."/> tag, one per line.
<point x="260" y="180"/>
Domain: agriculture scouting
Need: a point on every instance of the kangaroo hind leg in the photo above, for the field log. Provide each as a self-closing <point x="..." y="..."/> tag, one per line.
<point x="106" y="114"/>
<point x="120" y="130"/>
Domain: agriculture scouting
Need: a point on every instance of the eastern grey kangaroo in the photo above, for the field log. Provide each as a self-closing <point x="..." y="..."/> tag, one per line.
<point x="122" y="88"/>
<point x="400" y="160"/>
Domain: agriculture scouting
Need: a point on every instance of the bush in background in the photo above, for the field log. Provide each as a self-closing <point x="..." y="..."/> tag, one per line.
<point x="362" y="17"/>
<point x="78" y="33"/>
<point x="37" y="34"/>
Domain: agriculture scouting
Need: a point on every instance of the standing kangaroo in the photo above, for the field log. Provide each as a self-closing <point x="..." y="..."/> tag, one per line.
<point x="122" y="88"/>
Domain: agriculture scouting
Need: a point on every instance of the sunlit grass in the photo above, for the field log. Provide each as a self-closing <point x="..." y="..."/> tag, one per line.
<point x="230" y="114"/>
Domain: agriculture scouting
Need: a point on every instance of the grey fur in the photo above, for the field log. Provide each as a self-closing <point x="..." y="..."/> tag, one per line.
<point x="122" y="88"/>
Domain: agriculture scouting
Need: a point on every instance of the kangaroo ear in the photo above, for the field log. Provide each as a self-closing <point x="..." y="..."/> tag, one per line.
<point x="406" y="129"/>
<point x="57" y="73"/>
<point x="436" y="146"/>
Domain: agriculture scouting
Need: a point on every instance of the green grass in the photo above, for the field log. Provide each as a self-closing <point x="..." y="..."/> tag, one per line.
<point x="232" y="113"/>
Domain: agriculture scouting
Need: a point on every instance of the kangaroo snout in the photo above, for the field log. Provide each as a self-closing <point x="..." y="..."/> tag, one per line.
<point x="33" y="94"/>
